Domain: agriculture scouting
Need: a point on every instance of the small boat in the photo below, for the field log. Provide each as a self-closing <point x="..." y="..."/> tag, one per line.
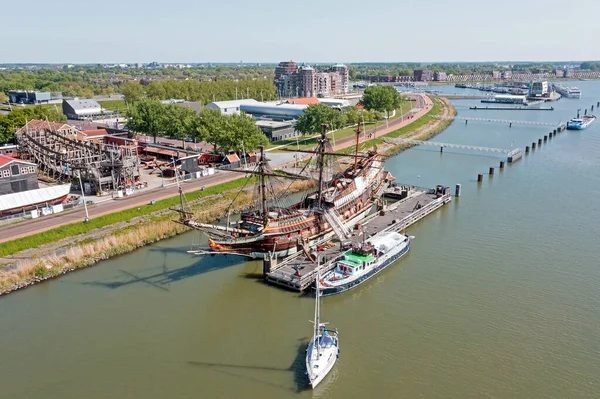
<point x="364" y="261"/>
<point x="580" y="123"/>
<point x="323" y="349"/>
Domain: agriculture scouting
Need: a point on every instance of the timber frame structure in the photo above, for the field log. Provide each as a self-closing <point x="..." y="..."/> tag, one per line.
<point x="61" y="153"/>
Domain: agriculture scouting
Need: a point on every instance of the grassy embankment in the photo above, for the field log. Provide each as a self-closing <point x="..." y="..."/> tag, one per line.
<point x="310" y="142"/>
<point x="428" y="125"/>
<point x="114" y="105"/>
<point x="133" y="232"/>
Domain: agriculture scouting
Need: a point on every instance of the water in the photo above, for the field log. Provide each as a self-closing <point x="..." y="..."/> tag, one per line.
<point x="498" y="297"/>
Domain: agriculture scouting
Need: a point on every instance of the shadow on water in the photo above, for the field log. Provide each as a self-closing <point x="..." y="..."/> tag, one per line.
<point x="167" y="275"/>
<point x="237" y="370"/>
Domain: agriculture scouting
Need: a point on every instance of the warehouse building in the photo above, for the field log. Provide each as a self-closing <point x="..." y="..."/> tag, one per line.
<point x="85" y="109"/>
<point x="230" y="107"/>
<point x="34" y="97"/>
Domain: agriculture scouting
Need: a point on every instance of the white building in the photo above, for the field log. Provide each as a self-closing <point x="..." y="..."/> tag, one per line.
<point x="539" y="88"/>
<point x="82" y="108"/>
<point x="230" y="107"/>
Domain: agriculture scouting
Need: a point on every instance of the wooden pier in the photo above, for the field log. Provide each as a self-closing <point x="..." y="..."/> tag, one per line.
<point x="298" y="272"/>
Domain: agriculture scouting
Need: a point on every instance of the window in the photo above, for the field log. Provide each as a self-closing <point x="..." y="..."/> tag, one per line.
<point x="24" y="170"/>
<point x="6" y="173"/>
<point x="224" y="110"/>
<point x="32" y="169"/>
<point x="15" y="170"/>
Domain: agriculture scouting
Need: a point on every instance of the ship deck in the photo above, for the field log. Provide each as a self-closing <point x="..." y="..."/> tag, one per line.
<point x="298" y="273"/>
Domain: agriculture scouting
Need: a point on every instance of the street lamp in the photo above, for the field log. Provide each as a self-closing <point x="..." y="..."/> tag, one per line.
<point x="87" y="216"/>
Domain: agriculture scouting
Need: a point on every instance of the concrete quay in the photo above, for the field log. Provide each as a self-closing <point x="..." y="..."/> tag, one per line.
<point x="298" y="272"/>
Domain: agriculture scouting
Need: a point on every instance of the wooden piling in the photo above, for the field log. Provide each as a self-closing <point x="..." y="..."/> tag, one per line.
<point x="526" y="149"/>
<point x="480" y="178"/>
<point x="540" y="142"/>
<point x="501" y="164"/>
<point x="546" y="138"/>
<point x="533" y="145"/>
<point x="491" y="170"/>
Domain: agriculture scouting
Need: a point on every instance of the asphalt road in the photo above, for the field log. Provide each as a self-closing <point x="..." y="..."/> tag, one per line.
<point x="144" y="197"/>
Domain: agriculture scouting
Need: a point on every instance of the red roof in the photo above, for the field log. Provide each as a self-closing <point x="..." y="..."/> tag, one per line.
<point x="304" y="100"/>
<point x="95" y="132"/>
<point x="5" y="160"/>
<point x="40" y="123"/>
<point x="233" y="158"/>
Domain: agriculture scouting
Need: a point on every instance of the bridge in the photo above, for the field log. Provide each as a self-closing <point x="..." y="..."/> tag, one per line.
<point x="510" y="122"/>
<point x="508" y="152"/>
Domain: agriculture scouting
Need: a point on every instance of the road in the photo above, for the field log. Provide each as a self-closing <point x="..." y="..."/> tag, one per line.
<point x="143" y="198"/>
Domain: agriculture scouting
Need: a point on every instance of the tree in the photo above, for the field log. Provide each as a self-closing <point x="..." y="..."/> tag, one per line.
<point x="147" y="116"/>
<point x="352" y="116"/>
<point x="227" y="132"/>
<point x="132" y="90"/>
<point x="315" y="115"/>
<point x="178" y="121"/>
<point x="18" y="118"/>
<point x="381" y="98"/>
<point x="3" y="98"/>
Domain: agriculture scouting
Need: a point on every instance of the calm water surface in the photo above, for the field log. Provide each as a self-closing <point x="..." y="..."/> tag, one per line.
<point x="498" y="297"/>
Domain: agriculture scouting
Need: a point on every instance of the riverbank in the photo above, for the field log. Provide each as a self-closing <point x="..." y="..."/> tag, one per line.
<point x="20" y="269"/>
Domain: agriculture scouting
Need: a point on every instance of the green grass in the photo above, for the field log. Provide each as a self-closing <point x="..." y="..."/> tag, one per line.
<point x="114" y="105"/>
<point x="339" y="134"/>
<point x="44" y="106"/>
<point x="403" y="130"/>
<point x="70" y="230"/>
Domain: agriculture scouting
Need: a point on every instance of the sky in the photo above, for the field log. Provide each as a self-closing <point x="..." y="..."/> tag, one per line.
<point x="190" y="31"/>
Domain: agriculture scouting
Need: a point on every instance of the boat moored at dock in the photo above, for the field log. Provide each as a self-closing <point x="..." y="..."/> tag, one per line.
<point x="580" y="123"/>
<point x="364" y="261"/>
<point x="568" y="92"/>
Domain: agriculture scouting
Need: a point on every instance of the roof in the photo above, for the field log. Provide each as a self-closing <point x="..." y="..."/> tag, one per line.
<point x="95" y="132"/>
<point x="272" y="124"/>
<point x="5" y="160"/>
<point x="31" y="197"/>
<point x="230" y="104"/>
<point x="83" y="105"/>
<point x="303" y="100"/>
<point x="232" y="158"/>
<point x="161" y="151"/>
<point x="37" y="123"/>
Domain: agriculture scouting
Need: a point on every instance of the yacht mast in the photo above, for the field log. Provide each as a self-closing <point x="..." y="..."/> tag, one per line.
<point x="317" y="308"/>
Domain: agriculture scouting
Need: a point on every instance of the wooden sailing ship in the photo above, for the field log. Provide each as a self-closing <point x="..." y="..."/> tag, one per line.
<point x="334" y="208"/>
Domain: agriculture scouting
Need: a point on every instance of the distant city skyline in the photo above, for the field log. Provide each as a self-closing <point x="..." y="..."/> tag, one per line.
<point x="268" y="31"/>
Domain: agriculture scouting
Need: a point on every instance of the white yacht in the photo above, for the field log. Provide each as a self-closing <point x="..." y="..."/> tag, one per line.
<point x="323" y="349"/>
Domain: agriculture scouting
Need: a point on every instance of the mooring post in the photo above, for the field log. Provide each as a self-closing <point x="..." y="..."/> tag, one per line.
<point x="540" y="142"/>
<point x="491" y="170"/>
<point x="501" y="164"/>
<point x="526" y="149"/>
<point x="480" y="178"/>
<point x="457" y="190"/>
<point x="442" y="149"/>
<point x="510" y="124"/>
<point x="545" y="138"/>
<point x="533" y="145"/>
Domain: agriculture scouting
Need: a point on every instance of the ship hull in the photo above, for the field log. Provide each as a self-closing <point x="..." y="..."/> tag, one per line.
<point x="284" y="244"/>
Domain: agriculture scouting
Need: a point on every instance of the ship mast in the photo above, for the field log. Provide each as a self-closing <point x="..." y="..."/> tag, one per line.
<point x="263" y="185"/>
<point x="358" y="131"/>
<point x="321" y="164"/>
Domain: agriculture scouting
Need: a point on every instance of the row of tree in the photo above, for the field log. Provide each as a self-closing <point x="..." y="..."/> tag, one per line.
<point x="205" y="92"/>
<point x="376" y="101"/>
<point x="224" y="132"/>
<point x="17" y="119"/>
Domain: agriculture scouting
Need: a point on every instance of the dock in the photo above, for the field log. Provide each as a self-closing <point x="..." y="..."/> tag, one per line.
<point x="512" y="108"/>
<point x="297" y="272"/>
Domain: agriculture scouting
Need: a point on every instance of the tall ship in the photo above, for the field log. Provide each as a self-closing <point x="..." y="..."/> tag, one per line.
<point x="340" y="201"/>
<point x="568" y="92"/>
<point x="580" y="123"/>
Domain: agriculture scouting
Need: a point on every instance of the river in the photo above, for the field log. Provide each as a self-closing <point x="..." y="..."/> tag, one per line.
<point x="497" y="298"/>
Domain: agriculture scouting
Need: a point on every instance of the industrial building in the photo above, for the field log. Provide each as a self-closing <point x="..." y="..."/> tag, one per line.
<point x="277" y="130"/>
<point x="230" y="107"/>
<point x="293" y="80"/>
<point x="85" y="109"/>
<point x="34" y="97"/>
<point x="274" y="111"/>
<point x="439" y="76"/>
